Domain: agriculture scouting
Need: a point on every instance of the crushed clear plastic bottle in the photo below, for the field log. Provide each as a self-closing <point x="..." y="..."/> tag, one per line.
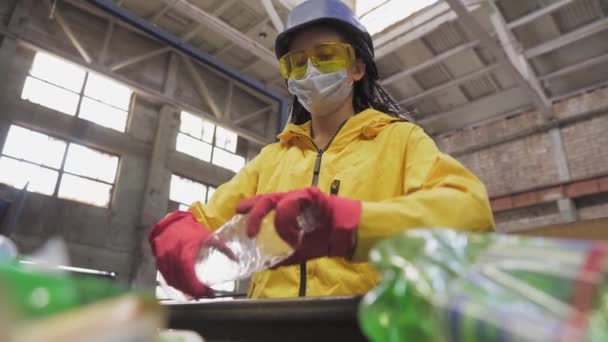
<point x="251" y="255"/>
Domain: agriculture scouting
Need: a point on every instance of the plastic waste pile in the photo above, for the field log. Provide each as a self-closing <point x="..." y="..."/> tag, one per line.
<point x="40" y="302"/>
<point x="443" y="285"/>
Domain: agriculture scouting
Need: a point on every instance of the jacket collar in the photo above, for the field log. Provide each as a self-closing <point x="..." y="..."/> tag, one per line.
<point x="365" y="125"/>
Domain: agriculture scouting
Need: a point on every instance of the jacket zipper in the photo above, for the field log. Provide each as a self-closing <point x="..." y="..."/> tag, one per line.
<point x="315" y="182"/>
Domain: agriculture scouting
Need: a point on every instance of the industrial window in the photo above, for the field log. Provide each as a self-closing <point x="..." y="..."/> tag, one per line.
<point x="184" y="192"/>
<point x="70" y="89"/>
<point x="57" y="168"/>
<point x="203" y="140"/>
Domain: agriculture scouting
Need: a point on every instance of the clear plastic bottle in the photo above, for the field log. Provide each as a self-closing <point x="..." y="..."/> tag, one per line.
<point x="251" y="255"/>
<point x="8" y="250"/>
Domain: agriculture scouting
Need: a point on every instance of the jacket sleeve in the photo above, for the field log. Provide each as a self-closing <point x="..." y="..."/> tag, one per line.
<point x="222" y="205"/>
<point x="438" y="192"/>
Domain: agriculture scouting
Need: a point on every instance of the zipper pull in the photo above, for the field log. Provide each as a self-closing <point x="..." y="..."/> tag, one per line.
<point x="317" y="169"/>
<point x="335" y="187"/>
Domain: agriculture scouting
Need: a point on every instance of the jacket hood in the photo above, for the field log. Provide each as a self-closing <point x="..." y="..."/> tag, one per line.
<point x="365" y="125"/>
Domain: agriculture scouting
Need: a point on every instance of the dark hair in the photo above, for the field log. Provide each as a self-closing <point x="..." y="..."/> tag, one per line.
<point x="368" y="93"/>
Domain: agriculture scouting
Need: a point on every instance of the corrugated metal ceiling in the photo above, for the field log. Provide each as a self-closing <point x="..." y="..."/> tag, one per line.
<point x="466" y="94"/>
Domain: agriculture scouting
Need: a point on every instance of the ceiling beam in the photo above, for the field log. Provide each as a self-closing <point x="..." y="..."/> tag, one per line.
<point x="580" y="91"/>
<point x="599" y="8"/>
<point x="202" y="88"/>
<point x="159" y="14"/>
<point x="273" y="15"/>
<point x="416" y="27"/>
<point x="568" y="38"/>
<point x="226" y="4"/>
<point x="428" y="63"/>
<point x="229" y="45"/>
<point x="171" y="75"/>
<point x="412" y="29"/>
<point x="482" y="102"/>
<point x="103" y="53"/>
<point x="452" y="83"/>
<point x="139" y="58"/>
<point x="228" y="104"/>
<point x="287" y="4"/>
<point x="251" y="116"/>
<point x="513" y="50"/>
<point x="474" y="29"/>
<point x="230" y="33"/>
<point x="537" y="14"/>
<point x="65" y="27"/>
<point x="586" y="64"/>
<point x="186" y="36"/>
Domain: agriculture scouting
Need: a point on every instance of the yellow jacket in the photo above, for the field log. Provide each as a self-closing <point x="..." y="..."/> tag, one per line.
<point x="392" y="166"/>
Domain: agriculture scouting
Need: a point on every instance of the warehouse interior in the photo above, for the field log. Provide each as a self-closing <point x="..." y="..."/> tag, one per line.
<point x="117" y="112"/>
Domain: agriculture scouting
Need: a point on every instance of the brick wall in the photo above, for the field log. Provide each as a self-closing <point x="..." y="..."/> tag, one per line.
<point x="515" y="166"/>
<point x="586" y="145"/>
<point x="593" y="207"/>
<point x="574" y="106"/>
<point x="525" y="218"/>
<point x="516" y="154"/>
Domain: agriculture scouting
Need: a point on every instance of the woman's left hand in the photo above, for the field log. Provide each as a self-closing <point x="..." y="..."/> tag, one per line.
<point x="335" y="221"/>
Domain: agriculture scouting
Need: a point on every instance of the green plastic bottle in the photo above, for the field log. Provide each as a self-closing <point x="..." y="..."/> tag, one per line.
<point x="443" y="285"/>
<point x="32" y="294"/>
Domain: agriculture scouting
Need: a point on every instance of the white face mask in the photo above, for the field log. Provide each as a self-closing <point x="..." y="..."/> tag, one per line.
<point x="321" y="94"/>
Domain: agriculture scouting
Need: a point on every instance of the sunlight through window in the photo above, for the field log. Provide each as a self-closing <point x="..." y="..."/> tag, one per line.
<point x="37" y="148"/>
<point x="103" y="114"/>
<point x="186" y="191"/>
<point x="48" y="95"/>
<point x="377" y="15"/>
<point x="107" y="91"/>
<point x="210" y="192"/>
<point x="84" y="174"/>
<point x="17" y="173"/>
<point x="85" y="190"/>
<point x="225" y="139"/>
<point x="93" y="164"/>
<point x="63" y="86"/>
<point x="203" y="140"/>
<point x="193" y="147"/>
<point x="58" y="71"/>
<point x="228" y="160"/>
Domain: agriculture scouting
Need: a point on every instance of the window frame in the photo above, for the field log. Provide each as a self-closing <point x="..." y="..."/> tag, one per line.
<point x="213" y="143"/>
<point x="81" y="93"/>
<point x="206" y="185"/>
<point x="61" y="170"/>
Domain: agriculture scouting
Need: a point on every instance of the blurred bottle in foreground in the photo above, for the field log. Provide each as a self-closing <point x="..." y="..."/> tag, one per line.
<point x="35" y="294"/>
<point x="8" y="250"/>
<point x="443" y="285"/>
<point x="39" y="304"/>
<point x="245" y="256"/>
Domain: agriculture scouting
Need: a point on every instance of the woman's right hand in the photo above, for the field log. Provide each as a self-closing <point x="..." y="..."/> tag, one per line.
<point x="175" y="242"/>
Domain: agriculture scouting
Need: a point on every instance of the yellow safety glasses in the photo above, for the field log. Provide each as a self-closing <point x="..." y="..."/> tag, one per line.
<point x="327" y="57"/>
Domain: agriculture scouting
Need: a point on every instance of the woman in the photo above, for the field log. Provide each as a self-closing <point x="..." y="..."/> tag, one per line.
<point x="347" y="154"/>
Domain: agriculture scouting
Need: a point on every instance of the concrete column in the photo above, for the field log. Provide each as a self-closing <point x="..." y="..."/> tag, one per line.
<point x="8" y="50"/>
<point x="566" y="206"/>
<point x="156" y="196"/>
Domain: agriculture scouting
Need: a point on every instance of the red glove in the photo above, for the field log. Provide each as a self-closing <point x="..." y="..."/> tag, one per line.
<point x="175" y="242"/>
<point x="335" y="226"/>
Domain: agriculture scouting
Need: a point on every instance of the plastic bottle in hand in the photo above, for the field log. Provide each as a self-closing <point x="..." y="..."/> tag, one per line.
<point x="249" y="255"/>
